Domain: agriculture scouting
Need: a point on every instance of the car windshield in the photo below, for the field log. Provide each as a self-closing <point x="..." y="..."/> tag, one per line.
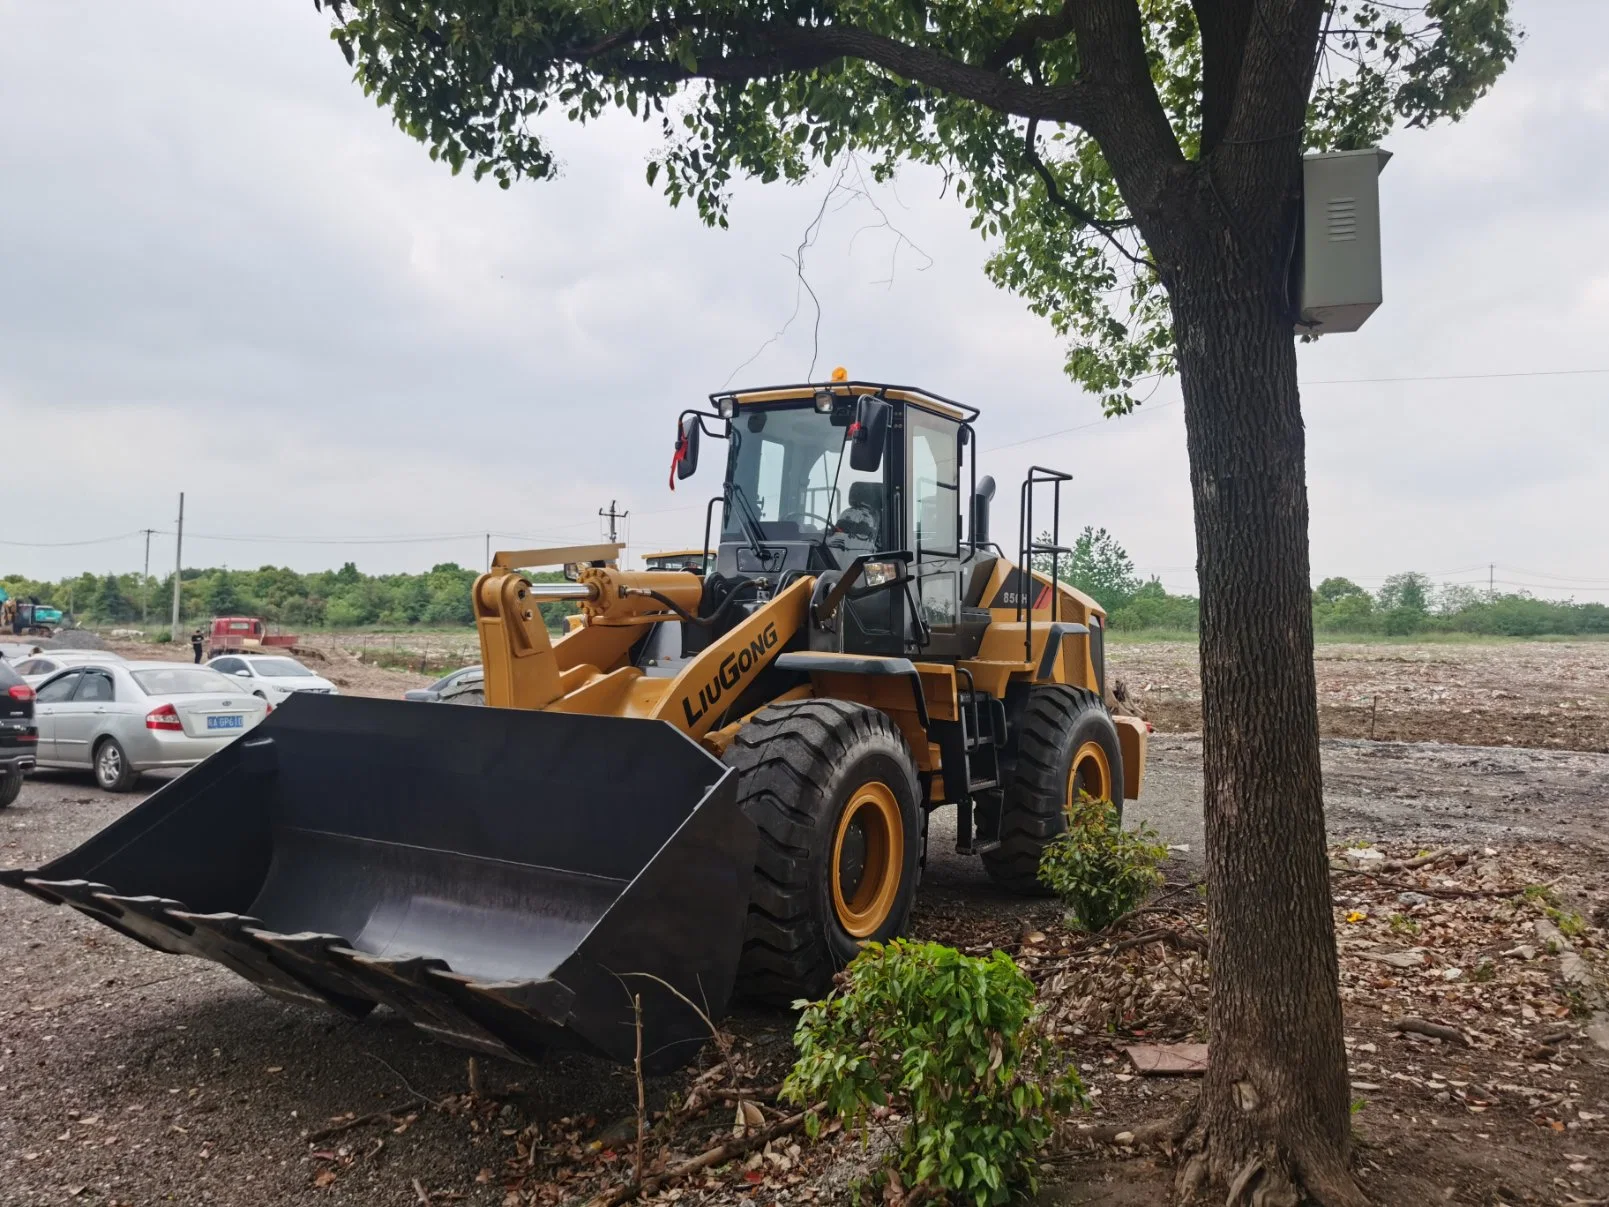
<point x="281" y="668"/>
<point x="787" y="480"/>
<point x="182" y="681"/>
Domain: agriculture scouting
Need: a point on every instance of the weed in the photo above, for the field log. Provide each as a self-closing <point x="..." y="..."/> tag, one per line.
<point x="1571" y="925"/>
<point x="1099" y="869"/>
<point x="949" y="1042"/>
<point x="1483" y="972"/>
<point x="1401" y="924"/>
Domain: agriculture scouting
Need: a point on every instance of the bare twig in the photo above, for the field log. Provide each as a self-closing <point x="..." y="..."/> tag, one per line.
<point x="419" y="1192"/>
<point x="721" y="1043"/>
<point x="347" y="1125"/>
<point x="642" y="1112"/>
<point x="406" y="1084"/>
<point x="718" y="1155"/>
<point x="1187" y="939"/>
<point x="1419" y="1026"/>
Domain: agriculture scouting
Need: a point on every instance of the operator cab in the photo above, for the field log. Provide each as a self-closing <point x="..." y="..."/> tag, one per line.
<point x="820" y="476"/>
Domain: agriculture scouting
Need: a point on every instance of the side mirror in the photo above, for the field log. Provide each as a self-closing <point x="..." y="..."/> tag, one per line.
<point x="243" y="673"/>
<point x="685" y="461"/>
<point x="980" y="509"/>
<point x="869" y="434"/>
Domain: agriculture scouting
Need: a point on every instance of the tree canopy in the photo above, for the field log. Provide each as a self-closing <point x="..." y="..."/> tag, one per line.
<point x="1028" y="107"/>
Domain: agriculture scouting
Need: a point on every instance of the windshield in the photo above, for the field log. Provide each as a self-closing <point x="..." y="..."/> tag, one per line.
<point x="786" y="477"/>
<point x="280" y="668"/>
<point x="183" y="681"/>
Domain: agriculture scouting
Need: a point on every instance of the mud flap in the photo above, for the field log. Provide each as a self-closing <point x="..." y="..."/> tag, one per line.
<point x="506" y="880"/>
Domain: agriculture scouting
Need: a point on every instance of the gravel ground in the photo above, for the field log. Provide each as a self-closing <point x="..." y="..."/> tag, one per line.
<point x="133" y="1078"/>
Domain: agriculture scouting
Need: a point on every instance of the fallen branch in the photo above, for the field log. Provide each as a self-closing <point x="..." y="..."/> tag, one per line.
<point x="718" y="1155"/>
<point x="389" y="1116"/>
<point x="759" y="1093"/>
<point x="1138" y="1133"/>
<point x="419" y="1192"/>
<point x="1186" y="939"/>
<point x="1405" y="865"/>
<point x="1421" y="1026"/>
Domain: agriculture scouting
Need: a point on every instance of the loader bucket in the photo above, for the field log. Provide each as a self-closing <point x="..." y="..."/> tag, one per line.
<point x="506" y="880"/>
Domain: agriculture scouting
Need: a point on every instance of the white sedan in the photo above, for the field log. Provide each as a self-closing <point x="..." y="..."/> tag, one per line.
<point x="120" y="718"/>
<point x="274" y="678"/>
<point x="36" y="668"/>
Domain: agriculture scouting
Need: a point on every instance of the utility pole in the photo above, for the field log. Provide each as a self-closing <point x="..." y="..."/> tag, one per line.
<point x="145" y="580"/>
<point x="178" y="567"/>
<point x="488" y="553"/>
<point x="612" y="515"/>
<point x="1491" y="580"/>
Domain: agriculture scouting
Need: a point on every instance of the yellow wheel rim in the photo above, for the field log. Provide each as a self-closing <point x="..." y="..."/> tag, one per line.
<point x="868" y="856"/>
<point x="1091" y="773"/>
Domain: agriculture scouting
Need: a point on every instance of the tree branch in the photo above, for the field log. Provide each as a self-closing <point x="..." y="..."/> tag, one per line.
<point x="1040" y="27"/>
<point x="1224" y="27"/>
<point x="776" y="49"/>
<point x="1107" y="230"/>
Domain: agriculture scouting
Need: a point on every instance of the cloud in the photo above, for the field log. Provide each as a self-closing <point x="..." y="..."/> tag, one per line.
<point x="227" y="273"/>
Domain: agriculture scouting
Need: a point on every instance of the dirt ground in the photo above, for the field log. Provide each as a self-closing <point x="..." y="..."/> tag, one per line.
<point x="133" y="1078"/>
<point x="1546" y="694"/>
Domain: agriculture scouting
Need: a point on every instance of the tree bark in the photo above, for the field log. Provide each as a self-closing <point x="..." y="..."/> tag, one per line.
<point x="1273" y="1118"/>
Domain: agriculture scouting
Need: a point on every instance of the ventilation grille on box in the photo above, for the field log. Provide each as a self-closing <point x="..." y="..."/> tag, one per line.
<point x="1343" y="216"/>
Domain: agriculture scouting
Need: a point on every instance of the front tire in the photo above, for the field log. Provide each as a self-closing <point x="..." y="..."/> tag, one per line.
<point x="832" y="789"/>
<point x="10" y="786"/>
<point x="1066" y="742"/>
<point x="112" y="770"/>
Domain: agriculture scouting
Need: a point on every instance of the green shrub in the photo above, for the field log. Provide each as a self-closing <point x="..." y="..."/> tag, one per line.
<point x="163" y="637"/>
<point x="1099" y="869"/>
<point x="950" y="1043"/>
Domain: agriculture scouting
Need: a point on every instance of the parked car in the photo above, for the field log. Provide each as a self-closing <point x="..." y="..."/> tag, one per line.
<point x="19" y="738"/>
<point x="275" y="678"/>
<point x="120" y="718"/>
<point x="38" y="667"/>
<point x="466" y="685"/>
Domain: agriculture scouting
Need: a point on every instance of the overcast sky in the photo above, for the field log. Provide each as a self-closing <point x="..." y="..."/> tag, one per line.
<point x="223" y="271"/>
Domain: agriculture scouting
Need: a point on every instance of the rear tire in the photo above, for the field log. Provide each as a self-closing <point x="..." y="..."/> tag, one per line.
<point x="112" y="770"/>
<point x="10" y="786"/>
<point x="832" y="789"/>
<point x="1065" y="740"/>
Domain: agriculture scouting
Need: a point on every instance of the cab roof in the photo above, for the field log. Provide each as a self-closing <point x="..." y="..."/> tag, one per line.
<point x="911" y="395"/>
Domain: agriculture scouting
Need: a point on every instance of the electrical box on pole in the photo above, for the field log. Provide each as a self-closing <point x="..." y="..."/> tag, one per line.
<point x="1335" y="273"/>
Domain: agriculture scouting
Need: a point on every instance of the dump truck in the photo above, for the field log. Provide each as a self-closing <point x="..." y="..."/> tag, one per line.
<point x="712" y="786"/>
<point x="245" y="634"/>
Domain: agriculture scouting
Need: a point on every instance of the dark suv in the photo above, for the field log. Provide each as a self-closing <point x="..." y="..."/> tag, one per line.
<point x="19" y="739"/>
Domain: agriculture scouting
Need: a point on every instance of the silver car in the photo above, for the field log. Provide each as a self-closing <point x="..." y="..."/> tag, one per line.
<point x="36" y="668"/>
<point x="121" y="718"/>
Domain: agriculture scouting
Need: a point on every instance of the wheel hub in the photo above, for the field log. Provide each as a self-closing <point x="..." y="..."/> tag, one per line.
<point x="868" y="860"/>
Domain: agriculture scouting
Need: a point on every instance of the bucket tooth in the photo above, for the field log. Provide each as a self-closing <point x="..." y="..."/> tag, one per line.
<point x="231" y="940"/>
<point x="410" y="990"/>
<point x="101" y="902"/>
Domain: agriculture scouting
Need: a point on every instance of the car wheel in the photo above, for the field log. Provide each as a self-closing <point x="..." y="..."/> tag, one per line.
<point x="112" y="770"/>
<point x="10" y="785"/>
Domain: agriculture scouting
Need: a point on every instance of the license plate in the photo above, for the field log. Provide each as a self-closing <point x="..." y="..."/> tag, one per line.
<point x="229" y="722"/>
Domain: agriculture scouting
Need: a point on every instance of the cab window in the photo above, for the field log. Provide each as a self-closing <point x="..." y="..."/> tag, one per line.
<point x="934" y="483"/>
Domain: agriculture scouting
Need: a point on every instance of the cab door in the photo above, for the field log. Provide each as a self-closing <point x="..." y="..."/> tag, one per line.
<point x="933" y="521"/>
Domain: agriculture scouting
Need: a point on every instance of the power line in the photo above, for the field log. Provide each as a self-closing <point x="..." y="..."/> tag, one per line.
<point x="100" y="540"/>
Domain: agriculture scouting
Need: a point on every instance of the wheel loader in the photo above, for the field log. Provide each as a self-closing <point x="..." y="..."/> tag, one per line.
<point x="710" y="786"/>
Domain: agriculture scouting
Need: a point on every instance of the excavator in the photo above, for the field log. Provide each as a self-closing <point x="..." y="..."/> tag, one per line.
<point x="710" y="786"/>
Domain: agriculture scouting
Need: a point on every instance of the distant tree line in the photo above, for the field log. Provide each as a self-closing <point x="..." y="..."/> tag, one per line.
<point x="1406" y="604"/>
<point x="337" y="599"/>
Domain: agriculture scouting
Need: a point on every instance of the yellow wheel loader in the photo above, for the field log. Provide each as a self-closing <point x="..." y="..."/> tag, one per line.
<point x="710" y="785"/>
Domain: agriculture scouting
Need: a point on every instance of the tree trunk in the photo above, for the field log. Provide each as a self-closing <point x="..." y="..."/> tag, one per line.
<point x="1274" y="1113"/>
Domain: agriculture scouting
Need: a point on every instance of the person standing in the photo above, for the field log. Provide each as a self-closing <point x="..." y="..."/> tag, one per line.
<point x="195" y="644"/>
